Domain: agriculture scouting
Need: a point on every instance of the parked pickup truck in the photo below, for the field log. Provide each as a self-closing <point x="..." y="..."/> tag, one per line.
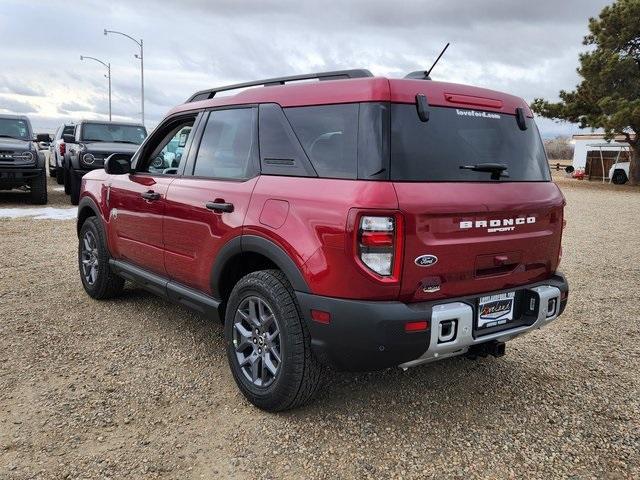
<point x="22" y="164"/>
<point x="355" y="222"/>
<point x="91" y="143"/>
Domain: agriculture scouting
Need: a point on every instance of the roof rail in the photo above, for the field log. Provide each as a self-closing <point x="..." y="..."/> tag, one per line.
<point x="336" y="75"/>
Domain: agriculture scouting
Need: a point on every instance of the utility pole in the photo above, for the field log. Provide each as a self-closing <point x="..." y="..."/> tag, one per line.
<point x="108" y="76"/>
<point x="140" y="57"/>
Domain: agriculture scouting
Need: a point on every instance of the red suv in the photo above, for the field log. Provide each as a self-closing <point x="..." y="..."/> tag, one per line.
<point x="355" y="222"/>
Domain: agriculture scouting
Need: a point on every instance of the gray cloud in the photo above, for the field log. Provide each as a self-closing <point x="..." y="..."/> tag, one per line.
<point x="16" y="106"/>
<point x="18" y="87"/>
<point x="526" y="48"/>
<point x="71" y="107"/>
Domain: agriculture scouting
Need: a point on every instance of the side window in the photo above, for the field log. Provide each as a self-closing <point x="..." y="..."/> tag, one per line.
<point x="169" y="153"/>
<point x="329" y="136"/>
<point x="280" y="150"/>
<point x="228" y="146"/>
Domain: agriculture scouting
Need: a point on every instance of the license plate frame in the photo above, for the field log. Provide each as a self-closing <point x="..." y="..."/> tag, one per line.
<point x="495" y="310"/>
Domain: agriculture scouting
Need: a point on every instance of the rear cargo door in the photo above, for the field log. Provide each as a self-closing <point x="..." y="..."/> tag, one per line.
<point x="470" y="231"/>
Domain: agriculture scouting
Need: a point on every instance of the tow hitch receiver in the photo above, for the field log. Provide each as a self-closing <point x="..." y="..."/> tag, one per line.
<point x="497" y="349"/>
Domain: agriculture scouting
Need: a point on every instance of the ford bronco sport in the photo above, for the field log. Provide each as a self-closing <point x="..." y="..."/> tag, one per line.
<point x="90" y="144"/>
<point x="355" y="222"/>
<point x="22" y="165"/>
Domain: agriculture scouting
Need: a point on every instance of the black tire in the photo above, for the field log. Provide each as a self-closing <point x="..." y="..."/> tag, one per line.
<point x="105" y="284"/>
<point x="619" y="177"/>
<point x="59" y="176"/>
<point x="75" y="188"/>
<point x="52" y="172"/>
<point x="38" y="185"/>
<point x="66" y="176"/>
<point x="299" y="372"/>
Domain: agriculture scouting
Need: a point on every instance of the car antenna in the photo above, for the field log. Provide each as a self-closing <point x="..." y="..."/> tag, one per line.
<point x="437" y="59"/>
<point x="424" y="74"/>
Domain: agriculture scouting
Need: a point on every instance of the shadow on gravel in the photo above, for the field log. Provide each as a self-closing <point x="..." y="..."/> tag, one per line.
<point x="450" y="389"/>
<point x="17" y="197"/>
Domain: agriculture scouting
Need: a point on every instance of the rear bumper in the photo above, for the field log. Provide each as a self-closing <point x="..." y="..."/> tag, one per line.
<point x="369" y="335"/>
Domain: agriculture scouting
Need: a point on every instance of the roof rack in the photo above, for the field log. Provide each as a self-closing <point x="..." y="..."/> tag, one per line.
<point x="336" y="75"/>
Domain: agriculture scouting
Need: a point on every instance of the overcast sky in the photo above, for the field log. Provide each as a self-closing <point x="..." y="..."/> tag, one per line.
<point x="528" y="48"/>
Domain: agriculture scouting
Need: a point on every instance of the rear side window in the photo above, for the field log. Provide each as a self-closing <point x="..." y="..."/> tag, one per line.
<point x="435" y="150"/>
<point x="329" y="136"/>
<point x="227" y="149"/>
<point x="69" y="130"/>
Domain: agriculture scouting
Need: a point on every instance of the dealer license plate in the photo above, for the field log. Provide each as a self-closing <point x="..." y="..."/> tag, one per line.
<point x="494" y="310"/>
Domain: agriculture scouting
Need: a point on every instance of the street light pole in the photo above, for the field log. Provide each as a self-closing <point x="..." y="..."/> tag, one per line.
<point x="108" y="75"/>
<point x="139" y="56"/>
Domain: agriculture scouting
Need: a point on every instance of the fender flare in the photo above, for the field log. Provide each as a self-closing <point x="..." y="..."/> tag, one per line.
<point x="262" y="246"/>
<point x="42" y="161"/>
<point x="87" y="202"/>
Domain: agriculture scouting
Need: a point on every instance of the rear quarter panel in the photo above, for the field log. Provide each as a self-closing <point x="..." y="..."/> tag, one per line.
<point x="314" y="231"/>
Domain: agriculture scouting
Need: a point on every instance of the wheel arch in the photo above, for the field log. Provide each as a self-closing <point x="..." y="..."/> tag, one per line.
<point x="86" y="208"/>
<point x="247" y="253"/>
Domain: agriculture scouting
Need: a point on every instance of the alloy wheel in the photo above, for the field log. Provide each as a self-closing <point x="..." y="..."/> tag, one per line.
<point x="256" y="339"/>
<point x="89" y="257"/>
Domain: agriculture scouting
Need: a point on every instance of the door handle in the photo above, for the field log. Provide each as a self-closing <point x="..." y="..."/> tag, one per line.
<point x="220" y="206"/>
<point x="150" y="195"/>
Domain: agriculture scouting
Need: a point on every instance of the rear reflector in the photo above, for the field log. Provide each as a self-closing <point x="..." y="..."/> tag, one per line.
<point x="321" y="316"/>
<point x="419" y="326"/>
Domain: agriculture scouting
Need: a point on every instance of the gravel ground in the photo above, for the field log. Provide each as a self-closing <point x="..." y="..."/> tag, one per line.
<point x="139" y="388"/>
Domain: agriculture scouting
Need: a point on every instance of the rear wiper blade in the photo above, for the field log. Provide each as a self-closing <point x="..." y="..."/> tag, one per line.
<point x="497" y="170"/>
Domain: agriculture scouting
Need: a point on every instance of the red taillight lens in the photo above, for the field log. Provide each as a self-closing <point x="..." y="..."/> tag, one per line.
<point x="419" y="326"/>
<point x="379" y="242"/>
<point x="377" y="239"/>
<point x="63" y="148"/>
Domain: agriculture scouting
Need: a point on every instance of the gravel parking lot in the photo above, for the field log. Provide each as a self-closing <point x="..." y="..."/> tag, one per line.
<point x="139" y="388"/>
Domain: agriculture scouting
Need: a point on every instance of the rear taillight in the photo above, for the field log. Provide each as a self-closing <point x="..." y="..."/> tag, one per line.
<point x="379" y="244"/>
<point x="63" y="148"/>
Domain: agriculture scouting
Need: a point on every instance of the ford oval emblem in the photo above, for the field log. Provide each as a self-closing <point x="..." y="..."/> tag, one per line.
<point x="426" y="260"/>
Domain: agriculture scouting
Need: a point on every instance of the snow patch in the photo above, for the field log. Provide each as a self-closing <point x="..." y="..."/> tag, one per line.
<point x="43" y="213"/>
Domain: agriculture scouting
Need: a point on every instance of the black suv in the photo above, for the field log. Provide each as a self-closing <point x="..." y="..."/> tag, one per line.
<point x="21" y="164"/>
<point x="91" y="144"/>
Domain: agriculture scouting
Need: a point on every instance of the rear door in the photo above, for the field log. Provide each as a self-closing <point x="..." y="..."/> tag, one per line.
<point x="137" y="202"/>
<point x="206" y="207"/>
<point x="467" y="233"/>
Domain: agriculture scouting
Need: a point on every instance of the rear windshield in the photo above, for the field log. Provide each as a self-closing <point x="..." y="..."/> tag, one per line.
<point x="14" y="128"/>
<point x="435" y="150"/>
<point x="69" y="130"/>
<point x="110" y="132"/>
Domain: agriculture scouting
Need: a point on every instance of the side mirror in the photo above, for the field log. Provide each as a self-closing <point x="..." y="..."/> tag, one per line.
<point x="43" y="137"/>
<point x="68" y="138"/>
<point x="118" y="164"/>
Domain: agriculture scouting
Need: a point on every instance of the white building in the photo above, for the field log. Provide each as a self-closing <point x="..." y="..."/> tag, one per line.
<point x="584" y="143"/>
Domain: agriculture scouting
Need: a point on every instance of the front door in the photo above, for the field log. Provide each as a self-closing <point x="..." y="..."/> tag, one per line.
<point x="205" y="207"/>
<point x="137" y="202"/>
